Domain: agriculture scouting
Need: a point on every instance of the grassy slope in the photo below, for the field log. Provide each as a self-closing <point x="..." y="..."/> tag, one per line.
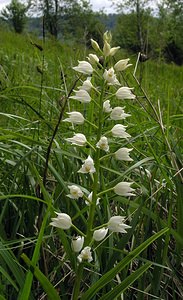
<point x="32" y="87"/>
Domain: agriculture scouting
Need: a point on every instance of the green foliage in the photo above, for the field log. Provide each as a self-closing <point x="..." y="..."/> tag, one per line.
<point x="172" y="16"/>
<point x="125" y="31"/>
<point x="105" y="279"/>
<point x="81" y="25"/>
<point x="15" y="14"/>
<point x="69" y="20"/>
<point x="145" y="260"/>
<point x="155" y="34"/>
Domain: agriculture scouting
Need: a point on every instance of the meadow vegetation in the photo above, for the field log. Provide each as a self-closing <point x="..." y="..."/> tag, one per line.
<point x="38" y="165"/>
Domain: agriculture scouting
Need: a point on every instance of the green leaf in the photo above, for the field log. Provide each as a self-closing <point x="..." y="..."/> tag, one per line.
<point x="119" y="289"/>
<point x="46" y="284"/>
<point x="120" y="266"/>
<point x="126" y="172"/>
<point x="7" y="276"/>
<point x="24" y="294"/>
<point x="12" y="263"/>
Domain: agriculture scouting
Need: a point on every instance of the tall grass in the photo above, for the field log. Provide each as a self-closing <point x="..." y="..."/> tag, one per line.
<point x="37" y="165"/>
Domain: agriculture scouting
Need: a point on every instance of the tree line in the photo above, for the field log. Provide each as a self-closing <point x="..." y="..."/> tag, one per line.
<point x="136" y="27"/>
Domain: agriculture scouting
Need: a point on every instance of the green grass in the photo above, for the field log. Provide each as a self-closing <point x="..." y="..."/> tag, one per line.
<point x="34" y="258"/>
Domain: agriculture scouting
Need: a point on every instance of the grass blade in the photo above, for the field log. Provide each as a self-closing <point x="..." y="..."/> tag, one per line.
<point x="120" y="266"/>
<point x="126" y="283"/>
<point x="46" y="284"/>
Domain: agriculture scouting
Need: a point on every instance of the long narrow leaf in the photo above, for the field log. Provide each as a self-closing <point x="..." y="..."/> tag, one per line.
<point x="7" y="276"/>
<point x="24" y="295"/>
<point x="12" y="263"/>
<point x="46" y="284"/>
<point x="126" y="283"/>
<point x="120" y="266"/>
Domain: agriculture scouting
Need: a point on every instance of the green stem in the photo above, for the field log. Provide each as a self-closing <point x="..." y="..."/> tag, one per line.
<point x="79" y="231"/>
<point x="96" y="174"/>
<point x="104" y="192"/>
<point x="101" y="226"/>
<point x="106" y="156"/>
<point x="89" y="233"/>
<point x="93" y="125"/>
<point x="79" y="275"/>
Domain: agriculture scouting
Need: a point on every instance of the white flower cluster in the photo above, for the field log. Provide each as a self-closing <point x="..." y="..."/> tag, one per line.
<point x="115" y="224"/>
<point x="109" y="77"/>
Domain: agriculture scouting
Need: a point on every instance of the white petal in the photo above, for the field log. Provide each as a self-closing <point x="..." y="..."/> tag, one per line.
<point x="84" y="67"/>
<point x="100" y="234"/>
<point x="124" y="189"/>
<point x="77" y="243"/>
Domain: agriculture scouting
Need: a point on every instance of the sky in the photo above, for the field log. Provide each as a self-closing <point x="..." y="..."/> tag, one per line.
<point x="96" y="5"/>
<point x="102" y="4"/>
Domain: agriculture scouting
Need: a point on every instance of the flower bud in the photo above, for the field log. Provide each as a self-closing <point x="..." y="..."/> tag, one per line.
<point x="81" y="96"/>
<point x="77" y="243"/>
<point x="107" y="36"/>
<point x="87" y="85"/>
<point x="122" y="64"/>
<point x="100" y="234"/>
<point x="106" y="49"/>
<point x="107" y="107"/>
<point x="95" y="45"/>
<point x="93" y="58"/>
<point x="114" y="50"/>
<point x="75" y="192"/>
<point x="75" y="117"/>
<point x="118" y="113"/>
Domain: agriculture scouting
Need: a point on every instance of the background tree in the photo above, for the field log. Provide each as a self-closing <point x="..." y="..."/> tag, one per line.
<point x="81" y="23"/>
<point x="125" y="32"/>
<point x="156" y="34"/>
<point x="171" y="15"/>
<point x="140" y="10"/>
<point x="63" y="15"/>
<point x="15" y="14"/>
<point x="50" y="10"/>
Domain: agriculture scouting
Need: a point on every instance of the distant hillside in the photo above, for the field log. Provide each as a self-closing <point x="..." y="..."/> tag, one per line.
<point x="109" y="20"/>
<point x="35" y="24"/>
